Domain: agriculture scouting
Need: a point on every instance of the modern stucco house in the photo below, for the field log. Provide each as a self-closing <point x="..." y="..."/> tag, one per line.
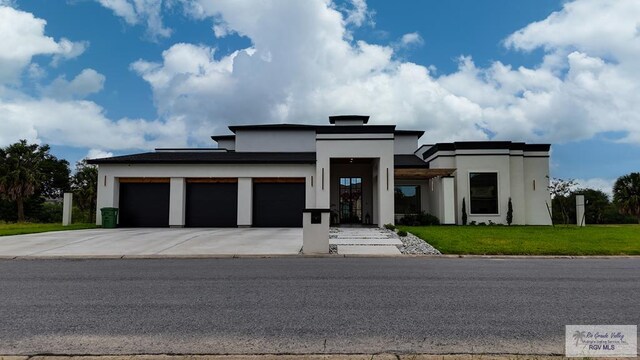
<point x="265" y="175"/>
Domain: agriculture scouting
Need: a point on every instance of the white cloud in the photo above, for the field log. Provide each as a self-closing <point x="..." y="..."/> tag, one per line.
<point x="135" y="12"/>
<point x="59" y="117"/>
<point x="98" y="154"/>
<point x="11" y="3"/>
<point x="23" y="38"/>
<point x="82" y="124"/>
<point x="359" y="13"/>
<point x="411" y="39"/>
<point x="604" y="185"/>
<point x="309" y="67"/>
<point x="86" y="83"/>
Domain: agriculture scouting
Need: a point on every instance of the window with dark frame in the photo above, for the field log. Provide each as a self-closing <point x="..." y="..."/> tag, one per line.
<point x="483" y="188"/>
<point x="407" y="199"/>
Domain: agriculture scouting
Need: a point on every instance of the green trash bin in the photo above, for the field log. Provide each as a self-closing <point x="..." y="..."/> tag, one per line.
<point x="109" y="217"/>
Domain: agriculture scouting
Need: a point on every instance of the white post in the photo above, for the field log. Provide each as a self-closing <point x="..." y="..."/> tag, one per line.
<point x="67" y="209"/>
<point x="177" y="199"/>
<point x="448" y="201"/>
<point x="245" y="202"/>
<point x="580" y="211"/>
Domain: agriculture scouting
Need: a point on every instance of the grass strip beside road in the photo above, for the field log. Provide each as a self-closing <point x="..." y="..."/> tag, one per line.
<point x="32" y="228"/>
<point x="531" y="240"/>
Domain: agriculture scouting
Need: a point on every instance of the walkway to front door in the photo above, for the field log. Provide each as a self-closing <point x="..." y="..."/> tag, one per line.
<point x="364" y="241"/>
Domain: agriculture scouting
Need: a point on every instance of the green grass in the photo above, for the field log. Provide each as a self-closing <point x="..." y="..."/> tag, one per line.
<point x="532" y="240"/>
<point x="29" y="228"/>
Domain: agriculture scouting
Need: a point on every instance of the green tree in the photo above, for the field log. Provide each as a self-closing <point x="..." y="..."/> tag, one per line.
<point x="56" y="177"/>
<point x="560" y="190"/>
<point x="85" y="188"/>
<point x="20" y="172"/>
<point x="626" y="194"/>
<point x="509" y="213"/>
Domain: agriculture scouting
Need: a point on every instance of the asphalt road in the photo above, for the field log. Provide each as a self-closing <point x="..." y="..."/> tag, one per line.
<point x="309" y="305"/>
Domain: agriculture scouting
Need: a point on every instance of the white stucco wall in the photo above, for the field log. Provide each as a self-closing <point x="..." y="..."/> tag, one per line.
<point x="517" y="171"/>
<point x="108" y="185"/>
<point x="275" y="141"/>
<point x="405" y="144"/>
<point x="537" y="169"/>
<point x="227" y="144"/>
<point x="465" y="165"/>
<point x="380" y="149"/>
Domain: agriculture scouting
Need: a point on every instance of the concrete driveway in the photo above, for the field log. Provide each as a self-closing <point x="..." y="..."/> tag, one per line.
<point x="155" y="242"/>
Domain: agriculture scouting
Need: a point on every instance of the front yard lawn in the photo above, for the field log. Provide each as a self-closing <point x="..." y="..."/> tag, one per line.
<point x="531" y="240"/>
<point x="29" y="228"/>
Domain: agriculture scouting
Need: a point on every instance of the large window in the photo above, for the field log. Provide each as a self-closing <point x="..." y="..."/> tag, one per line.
<point x="484" y="193"/>
<point x="407" y="199"/>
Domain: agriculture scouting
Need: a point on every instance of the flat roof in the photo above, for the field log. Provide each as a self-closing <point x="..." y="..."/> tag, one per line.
<point x="212" y="157"/>
<point x="485" y="145"/>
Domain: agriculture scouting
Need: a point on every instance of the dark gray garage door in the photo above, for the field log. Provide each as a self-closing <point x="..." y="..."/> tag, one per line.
<point x="278" y="202"/>
<point x="144" y="204"/>
<point x="212" y="203"/>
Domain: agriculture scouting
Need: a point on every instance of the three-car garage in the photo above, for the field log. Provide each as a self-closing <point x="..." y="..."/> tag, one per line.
<point x="211" y="202"/>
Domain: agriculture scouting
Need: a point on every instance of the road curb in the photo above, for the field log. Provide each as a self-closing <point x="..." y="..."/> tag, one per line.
<point x="332" y="256"/>
<point x="289" y="357"/>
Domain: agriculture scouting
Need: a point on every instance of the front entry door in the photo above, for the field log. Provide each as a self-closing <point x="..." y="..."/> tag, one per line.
<point x="350" y="200"/>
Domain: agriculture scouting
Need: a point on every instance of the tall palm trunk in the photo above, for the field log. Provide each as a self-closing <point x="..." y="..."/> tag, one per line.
<point x="20" y="202"/>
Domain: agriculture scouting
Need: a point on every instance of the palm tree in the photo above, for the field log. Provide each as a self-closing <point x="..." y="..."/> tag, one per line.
<point x="626" y="194"/>
<point x="20" y="172"/>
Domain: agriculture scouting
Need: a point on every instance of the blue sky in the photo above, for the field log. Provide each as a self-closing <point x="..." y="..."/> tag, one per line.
<point x="113" y="77"/>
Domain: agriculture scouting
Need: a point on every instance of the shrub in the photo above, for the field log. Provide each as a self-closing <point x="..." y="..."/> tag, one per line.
<point x="402" y="233"/>
<point x="389" y="226"/>
<point x="482" y="223"/>
<point x="422" y="219"/>
<point x="509" y="213"/>
<point x="473" y="223"/>
<point x="464" y="212"/>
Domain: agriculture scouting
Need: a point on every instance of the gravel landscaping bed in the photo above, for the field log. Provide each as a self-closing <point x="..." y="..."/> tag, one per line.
<point x="414" y="245"/>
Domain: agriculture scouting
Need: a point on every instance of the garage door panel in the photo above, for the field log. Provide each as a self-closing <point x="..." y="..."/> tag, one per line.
<point x="211" y="204"/>
<point x="278" y="204"/>
<point x="144" y="205"/>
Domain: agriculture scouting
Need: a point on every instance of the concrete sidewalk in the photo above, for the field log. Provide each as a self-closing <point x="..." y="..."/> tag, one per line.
<point x="154" y="242"/>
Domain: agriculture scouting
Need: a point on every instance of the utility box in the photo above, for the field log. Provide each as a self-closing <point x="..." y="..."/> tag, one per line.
<point x="315" y="231"/>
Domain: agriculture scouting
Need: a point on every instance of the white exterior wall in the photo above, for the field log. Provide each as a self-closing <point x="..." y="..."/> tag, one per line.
<point x="275" y="141"/>
<point x="536" y="200"/>
<point x="108" y="185"/>
<point x="517" y="171"/>
<point x="380" y="149"/>
<point x="227" y="144"/>
<point x="405" y="144"/>
<point x="489" y="163"/>
<point x="518" y="200"/>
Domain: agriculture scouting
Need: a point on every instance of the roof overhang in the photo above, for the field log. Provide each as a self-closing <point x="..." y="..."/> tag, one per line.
<point x="421" y="173"/>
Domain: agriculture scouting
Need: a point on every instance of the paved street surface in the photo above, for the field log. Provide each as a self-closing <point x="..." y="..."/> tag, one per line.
<point x="155" y="242"/>
<point x="309" y="305"/>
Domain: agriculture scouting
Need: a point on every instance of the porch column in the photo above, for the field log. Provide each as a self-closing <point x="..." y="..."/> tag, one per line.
<point x="177" y="199"/>
<point x="448" y="201"/>
<point x="385" y="191"/>
<point x="245" y="202"/>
